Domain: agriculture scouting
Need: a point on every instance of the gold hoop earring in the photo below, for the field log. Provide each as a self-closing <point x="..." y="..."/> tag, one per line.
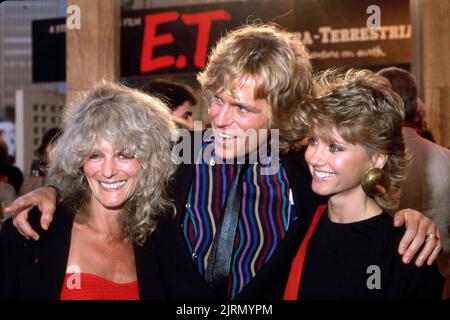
<point x="375" y="182"/>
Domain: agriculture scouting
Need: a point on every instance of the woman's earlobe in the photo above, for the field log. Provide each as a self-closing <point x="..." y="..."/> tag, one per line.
<point x="379" y="160"/>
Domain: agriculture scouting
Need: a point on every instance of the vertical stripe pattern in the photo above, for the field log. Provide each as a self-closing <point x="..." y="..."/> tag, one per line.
<point x="265" y="216"/>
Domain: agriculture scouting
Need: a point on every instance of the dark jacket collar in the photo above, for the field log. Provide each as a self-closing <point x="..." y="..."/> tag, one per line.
<point x="48" y="256"/>
<point x="47" y="260"/>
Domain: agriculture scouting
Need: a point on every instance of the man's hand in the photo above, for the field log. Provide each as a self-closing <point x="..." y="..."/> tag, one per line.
<point x="419" y="230"/>
<point x="44" y="198"/>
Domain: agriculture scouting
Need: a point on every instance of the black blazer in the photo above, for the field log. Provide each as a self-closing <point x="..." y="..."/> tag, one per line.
<point x="181" y="279"/>
<point x="36" y="269"/>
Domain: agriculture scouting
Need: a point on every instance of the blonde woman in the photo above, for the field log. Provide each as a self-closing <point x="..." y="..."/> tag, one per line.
<point x="111" y="167"/>
<point x="357" y="158"/>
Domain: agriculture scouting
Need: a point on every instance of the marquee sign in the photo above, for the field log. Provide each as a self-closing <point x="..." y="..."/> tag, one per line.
<point x="178" y="39"/>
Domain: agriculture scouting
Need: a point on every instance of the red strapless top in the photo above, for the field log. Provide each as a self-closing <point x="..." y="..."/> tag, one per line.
<point x="86" y="286"/>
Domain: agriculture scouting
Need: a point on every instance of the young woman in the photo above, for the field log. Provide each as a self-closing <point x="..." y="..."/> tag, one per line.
<point x="357" y="158"/>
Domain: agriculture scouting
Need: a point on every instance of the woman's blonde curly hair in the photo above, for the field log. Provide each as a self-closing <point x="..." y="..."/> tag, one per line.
<point x="135" y="124"/>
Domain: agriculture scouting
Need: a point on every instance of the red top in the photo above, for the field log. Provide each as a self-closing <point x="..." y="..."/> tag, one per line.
<point x="86" y="286"/>
<point x="295" y="276"/>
